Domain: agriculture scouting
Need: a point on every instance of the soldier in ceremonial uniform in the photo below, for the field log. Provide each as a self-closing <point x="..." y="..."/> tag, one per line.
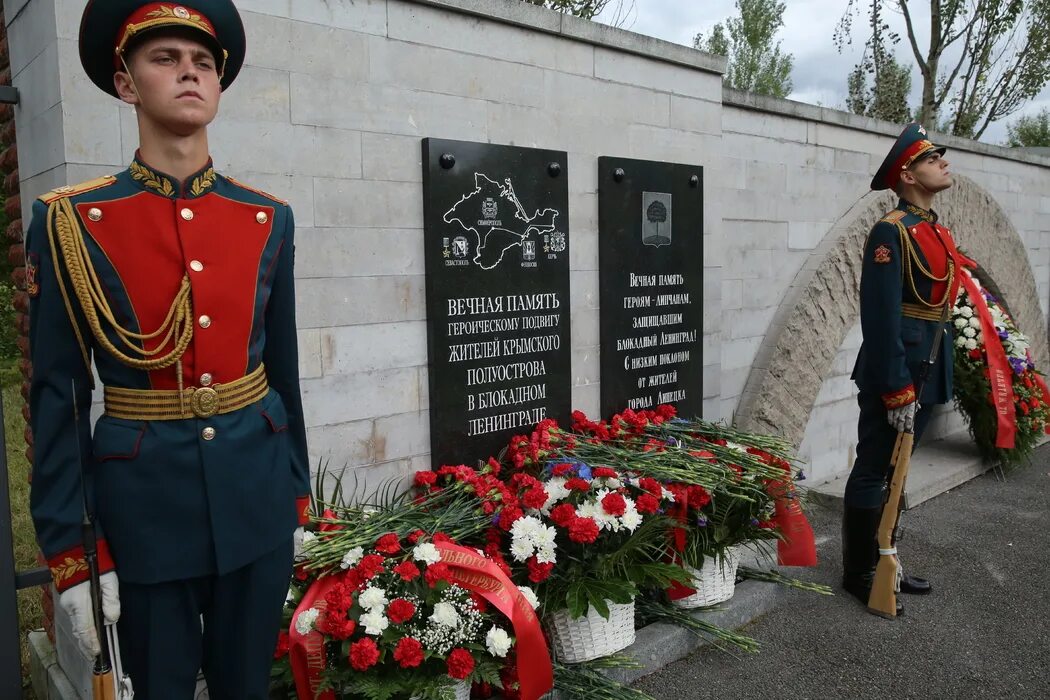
<point x="176" y="282"/>
<point x="910" y="272"/>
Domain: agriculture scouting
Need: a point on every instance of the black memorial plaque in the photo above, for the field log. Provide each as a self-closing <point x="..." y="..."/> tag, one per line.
<point x="651" y="267"/>
<point x="496" y="233"/>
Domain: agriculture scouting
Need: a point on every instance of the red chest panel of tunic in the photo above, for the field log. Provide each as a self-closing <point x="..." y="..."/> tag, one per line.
<point x="937" y="247"/>
<point x="152" y="242"/>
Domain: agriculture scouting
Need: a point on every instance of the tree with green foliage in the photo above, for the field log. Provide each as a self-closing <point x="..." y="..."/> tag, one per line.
<point x="755" y="62"/>
<point x="995" y="55"/>
<point x="587" y="9"/>
<point x="1030" y="131"/>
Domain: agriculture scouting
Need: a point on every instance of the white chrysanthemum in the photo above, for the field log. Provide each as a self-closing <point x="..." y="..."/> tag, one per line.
<point x="556" y="491"/>
<point x="631" y="518"/>
<point x="530" y="596"/>
<point x="546" y="555"/>
<point x="521" y="548"/>
<point x="960" y="341"/>
<point x="372" y="597"/>
<point x="374" y="622"/>
<point x="971" y="344"/>
<point x="593" y="509"/>
<point x="426" y="553"/>
<point x="975" y="322"/>
<point x="961" y="323"/>
<point x="543" y="538"/>
<point x="351" y="558"/>
<point x="966" y="312"/>
<point x="969" y="332"/>
<point x="304" y="624"/>
<point x="526" y="528"/>
<point x="497" y="642"/>
<point x="445" y="614"/>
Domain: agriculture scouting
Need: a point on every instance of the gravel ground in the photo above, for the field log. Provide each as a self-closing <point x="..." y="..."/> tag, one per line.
<point x="984" y="632"/>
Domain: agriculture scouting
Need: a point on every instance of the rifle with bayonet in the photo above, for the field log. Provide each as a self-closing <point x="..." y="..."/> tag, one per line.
<point x="882" y="600"/>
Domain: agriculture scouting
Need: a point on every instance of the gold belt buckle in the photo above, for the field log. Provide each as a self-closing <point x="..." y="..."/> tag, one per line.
<point x="204" y="402"/>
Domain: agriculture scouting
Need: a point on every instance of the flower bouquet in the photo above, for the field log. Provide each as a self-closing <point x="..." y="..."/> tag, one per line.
<point x="996" y="386"/>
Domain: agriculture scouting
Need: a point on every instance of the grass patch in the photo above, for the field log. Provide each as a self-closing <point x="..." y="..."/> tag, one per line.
<point x="30" y="610"/>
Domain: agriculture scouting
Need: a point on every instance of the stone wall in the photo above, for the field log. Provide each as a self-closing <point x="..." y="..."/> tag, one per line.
<point x="329" y="112"/>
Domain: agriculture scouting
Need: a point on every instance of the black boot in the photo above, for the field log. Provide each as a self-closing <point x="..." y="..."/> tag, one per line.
<point x="915" y="585"/>
<point x="860" y="551"/>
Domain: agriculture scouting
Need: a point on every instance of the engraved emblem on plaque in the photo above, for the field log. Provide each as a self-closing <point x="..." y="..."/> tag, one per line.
<point x="460" y="247"/>
<point x="558" y="242"/>
<point x="489" y="208"/>
<point x="528" y="250"/>
<point x="656" y="218"/>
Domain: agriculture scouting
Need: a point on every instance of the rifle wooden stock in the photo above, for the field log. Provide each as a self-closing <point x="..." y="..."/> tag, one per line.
<point x="883" y="598"/>
<point x="103" y="686"/>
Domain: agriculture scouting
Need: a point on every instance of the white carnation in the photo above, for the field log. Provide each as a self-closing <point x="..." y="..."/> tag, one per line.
<point x="530" y="596"/>
<point x="969" y="332"/>
<point x="975" y="322"/>
<point x="971" y="344"/>
<point x="375" y="622"/>
<point x="445" y="614"/>
<point x="960" y="341"/>
<point x="556" y="491"/>
<point x="966" y="312"/>
<point x="961" y="323"/>
<point x="372" y="598"/>
<point x="497" y="642"/>
<point x="351" y="558"/>
<point x="304" y="624"/>
<point x="426" y="553"/>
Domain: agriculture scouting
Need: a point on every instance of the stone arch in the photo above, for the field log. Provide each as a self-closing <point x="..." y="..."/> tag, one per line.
<point x="823" y="303"/>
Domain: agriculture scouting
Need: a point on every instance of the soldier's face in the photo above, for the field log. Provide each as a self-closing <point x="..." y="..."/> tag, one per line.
<point x="174" y="83"/>
<point x="932" y="173"/>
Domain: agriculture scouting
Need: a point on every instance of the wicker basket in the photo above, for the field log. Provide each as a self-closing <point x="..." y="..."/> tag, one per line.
<point x="591" y="636"/>
<point x="714" y="582"/>
<point x="461" y="688"/>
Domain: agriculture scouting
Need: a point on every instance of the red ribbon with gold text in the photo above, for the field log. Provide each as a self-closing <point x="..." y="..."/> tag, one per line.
<point x="1000" y="375"/>
<point x="475" y="573"/>
<point x="306" y="651"/>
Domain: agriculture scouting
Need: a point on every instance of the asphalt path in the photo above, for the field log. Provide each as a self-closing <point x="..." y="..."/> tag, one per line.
<point x="984" y="631"/>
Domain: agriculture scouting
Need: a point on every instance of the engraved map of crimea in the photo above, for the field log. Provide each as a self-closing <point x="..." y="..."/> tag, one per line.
<point x="483" y="212"/>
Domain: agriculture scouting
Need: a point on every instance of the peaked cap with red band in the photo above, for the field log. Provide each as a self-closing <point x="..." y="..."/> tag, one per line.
<point x="108" y="26"/>
<point x="911" y="145"/>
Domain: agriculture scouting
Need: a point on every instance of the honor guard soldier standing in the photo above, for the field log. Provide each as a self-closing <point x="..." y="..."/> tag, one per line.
<point x="178" y="282"/>
<point x="909" y="274"/>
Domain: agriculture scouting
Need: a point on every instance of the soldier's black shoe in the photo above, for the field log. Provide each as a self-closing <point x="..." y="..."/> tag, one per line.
<point x="915" y="585"/>
<point x="860" y="552"/>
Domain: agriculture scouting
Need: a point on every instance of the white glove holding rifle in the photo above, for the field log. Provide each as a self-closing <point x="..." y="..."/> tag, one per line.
<point x="902" y="419"/>
<point x="76" y="602"/>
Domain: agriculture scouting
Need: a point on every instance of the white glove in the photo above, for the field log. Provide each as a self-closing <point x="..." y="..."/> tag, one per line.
<point x="297" y="541"/>
<point x="903" y="419"/>
<point x="76" y="602"/>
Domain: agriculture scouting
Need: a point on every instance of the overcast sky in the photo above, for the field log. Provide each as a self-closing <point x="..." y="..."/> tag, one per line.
<point x="820" y="71"/>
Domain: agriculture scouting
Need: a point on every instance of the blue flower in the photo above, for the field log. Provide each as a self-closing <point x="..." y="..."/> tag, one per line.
<point x="801" y="476"/>
<point x="701" y="521"/>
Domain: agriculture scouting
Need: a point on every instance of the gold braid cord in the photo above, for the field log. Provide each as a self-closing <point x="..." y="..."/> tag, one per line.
<point x="64" y="232"/>
<point x="912" y="256"/>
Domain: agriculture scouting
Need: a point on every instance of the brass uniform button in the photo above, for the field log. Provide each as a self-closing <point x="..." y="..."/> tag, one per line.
<point x="95" y="214"/>
<point x="187" y="214"/>
<point x="196" y="265"/>
<point x="208" y="433"/>
<point x="205" y="321"/>
<point x="261" y="217"/>
<point x="206" y="379"/>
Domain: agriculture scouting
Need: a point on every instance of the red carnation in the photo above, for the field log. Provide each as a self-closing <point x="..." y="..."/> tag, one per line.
<point x="440" y="537"/>
<point x="577" y="484"/>
<point x="698" y="497"/>
<point x="408" y="652"/>
<point x="425" y="479"/>
<point x="583" y="530"/>
<point x="364" y="654"/>
<point x="437" y="572"/>
<point x="370" y="566"/>
<point x="535" y="497"/>
<point x="604" y="473"/>
<point x="651" y="485"/>
<point x="538" y="572"/>
<point x="647" y="504"/>
<point x="335" y="625"/>
<point x="388" y="544"/>
<point x="282" y="645"/>
<point x="613" y="504"/>
<point x="563" y="515"/>
<point x="561" y="469"/>
<point x="407" y="571"/>
<point x="509" y="515"/>
<point x="460" y="664"/>
<point x="400" y="610"/>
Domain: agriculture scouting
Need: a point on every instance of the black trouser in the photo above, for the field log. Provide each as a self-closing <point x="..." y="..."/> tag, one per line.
<point x="163" y="645"/>
<point x="875" y="440"/>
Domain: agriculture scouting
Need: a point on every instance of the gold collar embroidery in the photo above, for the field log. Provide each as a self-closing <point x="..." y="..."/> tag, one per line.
<point x="199" y="184"/>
